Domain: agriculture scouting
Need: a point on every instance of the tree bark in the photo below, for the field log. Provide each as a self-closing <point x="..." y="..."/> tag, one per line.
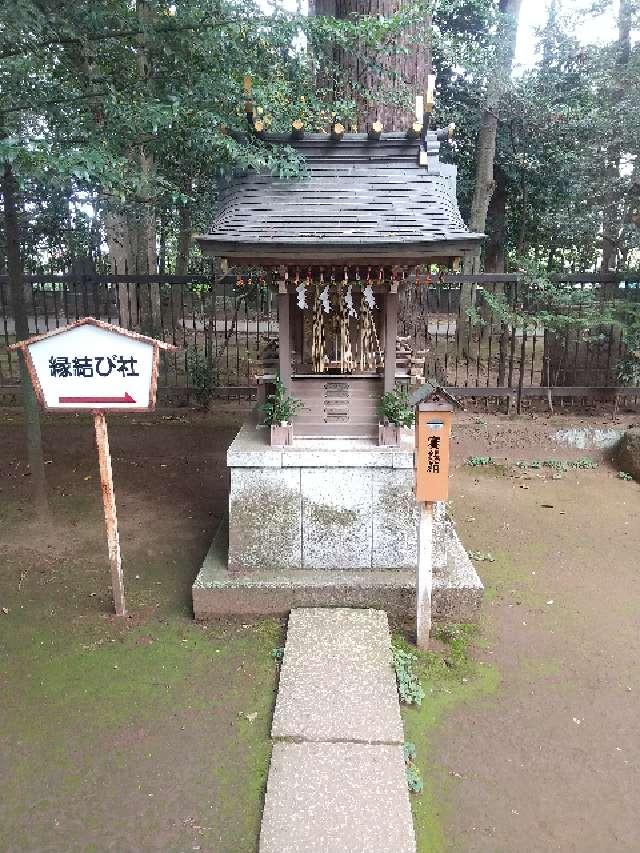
<point x="612" y="214"/>
<point x="494" y="260"/>
<point x="35" y="457"/>
<point x="121" y="261"/>
<point x="484" y="183"/>
<point x="380" y="95"/>
<point x="147" y="249"/>
<point x="162" y="248"/>
<point x="184" y="240"/>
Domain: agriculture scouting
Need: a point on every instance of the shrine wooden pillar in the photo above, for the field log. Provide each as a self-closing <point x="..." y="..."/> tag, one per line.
<point x="390" y="336"/>
<point x="284" y="334"/>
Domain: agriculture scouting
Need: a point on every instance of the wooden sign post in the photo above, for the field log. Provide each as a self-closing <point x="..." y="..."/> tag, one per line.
<point x="95" y="366"/>
<point x="433" y="433"/>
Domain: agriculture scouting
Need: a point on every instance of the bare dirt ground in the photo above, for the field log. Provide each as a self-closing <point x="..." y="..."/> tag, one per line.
<point x="551" y="761"/>
<point x="152" y="733"/>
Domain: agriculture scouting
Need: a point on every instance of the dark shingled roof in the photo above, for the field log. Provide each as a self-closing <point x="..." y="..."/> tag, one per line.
<point x="358" y="198"/>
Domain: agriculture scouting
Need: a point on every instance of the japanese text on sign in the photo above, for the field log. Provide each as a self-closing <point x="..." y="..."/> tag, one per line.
<point x="89" y="366"/>
<point x="433" y="430"/>
<point x="95" y="366"/>
<point x="433" y="455"/>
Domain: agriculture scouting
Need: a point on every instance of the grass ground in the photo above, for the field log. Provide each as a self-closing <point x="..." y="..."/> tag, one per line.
<point x="152" y="733"/>
<point x="146" y="733"/>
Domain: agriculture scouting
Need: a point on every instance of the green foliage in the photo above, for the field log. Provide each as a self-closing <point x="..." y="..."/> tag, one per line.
<point x="280" y="407"/>
<point x="458" y="637"/>
<point x="409" y="687"/>
<point x="481" y="557"/>
<point x="584" y="463"/>
<point x="79" y="111"/>
<point x="138" y="108"/>
<point x="480" y="461"/>
<point x="409" y="751"/>
<point x="622" y="475"/>
<point x="560" y="466"/>
<point x="449" y="680"/>
<point x="414" y="776"/>
<point x="628" y="370"/>
<point x="396" y="408"/>
<point x="556" y="464"/>
<point x="201" y="375"/>
<point x="452" y="662"/>
<point x="555" y="305"/>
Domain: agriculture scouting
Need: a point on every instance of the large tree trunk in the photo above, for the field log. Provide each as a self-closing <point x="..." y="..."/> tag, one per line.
<point x="380" y="95"/>
<point x="486" y="143"/>
<point x="122" y="261"/>
<point x="494" y="260"/>
<point x="484" y="183"/>
<point x="131" y="234"/>
<point x="184" y="240"/>
<point x="35" y="455"/>
<point x="147" y="249"/>
<point x="612" y="214"/>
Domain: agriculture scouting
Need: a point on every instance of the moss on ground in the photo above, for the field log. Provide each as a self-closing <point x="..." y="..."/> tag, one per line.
<point x="105" y="716"/>
<point x="504" y="578"/>
<point x="451" y="677"/>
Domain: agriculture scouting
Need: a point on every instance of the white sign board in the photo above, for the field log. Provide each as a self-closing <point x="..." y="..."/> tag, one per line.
<point x="93" y="365"/>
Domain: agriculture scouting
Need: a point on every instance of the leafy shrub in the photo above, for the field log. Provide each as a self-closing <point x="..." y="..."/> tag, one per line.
<point x="201" y="376"/>
<point x="414" y="776"/>
<point x="409" y="688"/>
<point x="396" y="408"/>
<point x="477" y="461"/>
<point x="280" y="407"/>
<point x="584" y="463"/>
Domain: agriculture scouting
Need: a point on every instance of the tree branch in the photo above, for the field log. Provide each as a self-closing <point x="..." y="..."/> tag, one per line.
<point x="32" y="107"/>
<point x="112" y="34"/>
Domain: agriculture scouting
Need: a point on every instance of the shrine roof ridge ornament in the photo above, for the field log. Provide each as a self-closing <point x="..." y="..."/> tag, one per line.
<point x="357" y="197"/>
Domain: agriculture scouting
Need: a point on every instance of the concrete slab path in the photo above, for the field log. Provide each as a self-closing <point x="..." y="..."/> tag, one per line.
<point x="337" y="780"/>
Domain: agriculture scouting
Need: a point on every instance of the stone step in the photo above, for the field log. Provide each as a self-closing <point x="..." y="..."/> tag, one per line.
<point x="337" y="681"/>
<point x="337" y="798"/>
<point x="337" y="781"/>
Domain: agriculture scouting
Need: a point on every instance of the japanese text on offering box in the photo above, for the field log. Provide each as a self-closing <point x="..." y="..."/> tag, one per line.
<point x="433" y="430"/>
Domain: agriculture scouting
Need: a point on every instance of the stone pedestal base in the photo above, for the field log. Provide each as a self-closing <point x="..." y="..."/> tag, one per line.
<point x="327" y="523"/>
<point x="332" y="504"/>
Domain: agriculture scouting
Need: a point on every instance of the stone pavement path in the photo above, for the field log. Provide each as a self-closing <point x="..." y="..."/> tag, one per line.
<point x="337" y="779"/>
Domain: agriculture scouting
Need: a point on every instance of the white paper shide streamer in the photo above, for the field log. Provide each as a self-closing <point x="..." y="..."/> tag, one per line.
<point x="301" y="292"/>
<point x="324" y="299"/>
<point x="367" y="294"/>
<point x="348" y="301"/>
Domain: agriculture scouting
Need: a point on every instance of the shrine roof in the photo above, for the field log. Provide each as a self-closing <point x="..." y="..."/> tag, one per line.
<point x="357" y="198"/>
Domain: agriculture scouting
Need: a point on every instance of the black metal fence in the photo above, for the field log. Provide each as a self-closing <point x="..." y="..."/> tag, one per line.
<point x="484" y="332"/>
<point x="453" y="321"/>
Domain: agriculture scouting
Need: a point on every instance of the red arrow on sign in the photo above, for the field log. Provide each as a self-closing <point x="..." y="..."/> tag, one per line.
<point x="97" y="400"/>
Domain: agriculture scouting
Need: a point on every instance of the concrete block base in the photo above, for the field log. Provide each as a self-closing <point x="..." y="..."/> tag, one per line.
<point x="457" y="589"/>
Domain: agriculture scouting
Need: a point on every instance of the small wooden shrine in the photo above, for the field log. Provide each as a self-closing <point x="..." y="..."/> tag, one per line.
<point x="369" y="213"/>
<point x="322" y="522"/>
